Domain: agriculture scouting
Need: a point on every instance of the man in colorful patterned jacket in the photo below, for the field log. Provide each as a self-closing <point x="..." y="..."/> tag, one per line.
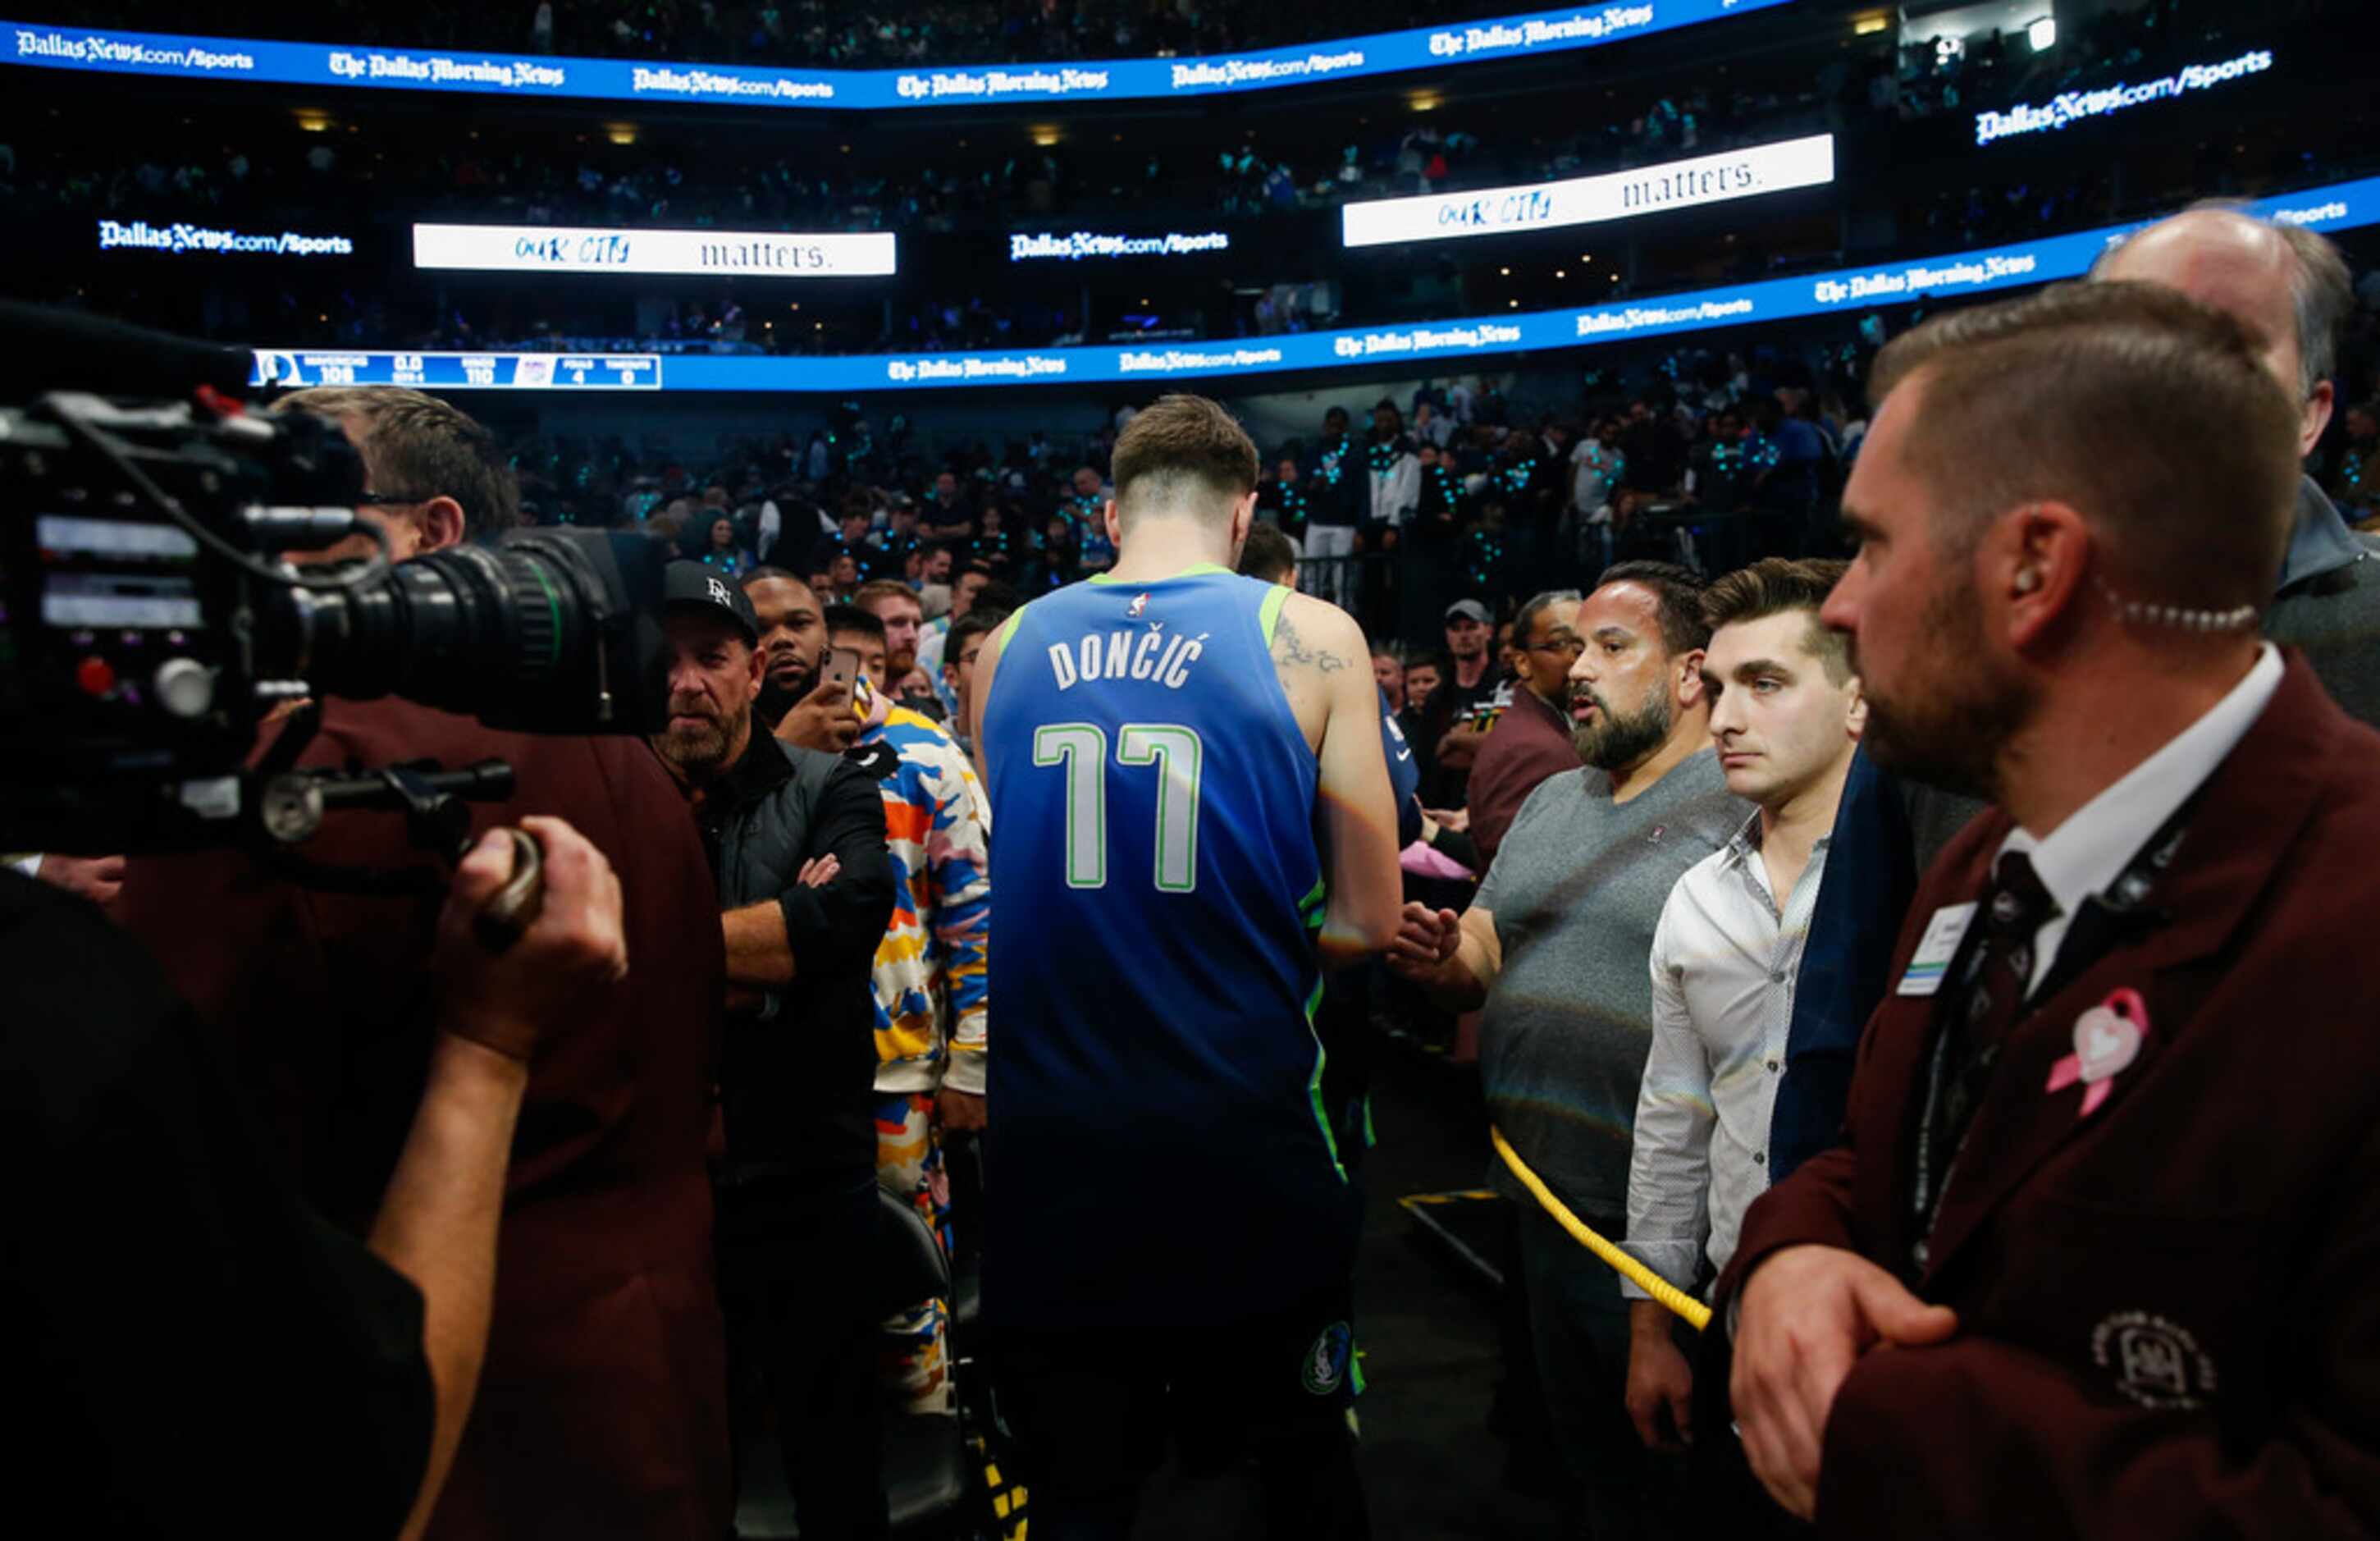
<point x="930" y="974"/>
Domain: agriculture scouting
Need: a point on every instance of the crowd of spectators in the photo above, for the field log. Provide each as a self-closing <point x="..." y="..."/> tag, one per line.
<point x="584" y="180"/>
<point x="1487" y="488"/>
<point x="1455" y="490"/>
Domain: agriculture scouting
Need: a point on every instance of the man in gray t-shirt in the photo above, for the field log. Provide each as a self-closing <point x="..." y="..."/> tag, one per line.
<point x="1575" y="900"/>
<point x="1554" y="947"/>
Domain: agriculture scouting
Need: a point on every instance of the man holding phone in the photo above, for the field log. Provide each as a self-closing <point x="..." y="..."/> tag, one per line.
<point x="931" y="980"/>
<point x="796" y="702"/>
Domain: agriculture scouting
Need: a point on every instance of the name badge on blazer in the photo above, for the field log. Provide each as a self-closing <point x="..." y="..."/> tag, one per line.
<point x="1936" y="949"/>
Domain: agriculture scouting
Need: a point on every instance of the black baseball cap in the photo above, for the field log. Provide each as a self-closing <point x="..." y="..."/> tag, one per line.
<point x="691" y="584"/>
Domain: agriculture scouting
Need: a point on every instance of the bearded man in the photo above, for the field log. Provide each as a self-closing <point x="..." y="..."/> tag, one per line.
<point x="796" y="838"/>
<point x="1553" y="947"/>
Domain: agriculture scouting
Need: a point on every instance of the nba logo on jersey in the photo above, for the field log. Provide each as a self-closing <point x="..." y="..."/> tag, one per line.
<point x="1139" y="603"/>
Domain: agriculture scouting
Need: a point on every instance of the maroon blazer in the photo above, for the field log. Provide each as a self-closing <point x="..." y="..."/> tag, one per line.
<point x="601" y="1409"/>
<point x="2167" y="1319"/>
<point x="1530" y="743"/>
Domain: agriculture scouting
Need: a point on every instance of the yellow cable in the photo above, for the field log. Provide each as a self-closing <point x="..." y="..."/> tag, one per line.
<point x="1645" y="1279"/>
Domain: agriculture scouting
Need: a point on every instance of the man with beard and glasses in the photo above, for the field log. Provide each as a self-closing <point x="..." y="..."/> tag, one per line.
<point x="2094" y="1256"/>
<point x="1554" y="947"/>
<point x="794" y="703"/>
<point x="1531" y="739"/>
<point x="796" y="844"/>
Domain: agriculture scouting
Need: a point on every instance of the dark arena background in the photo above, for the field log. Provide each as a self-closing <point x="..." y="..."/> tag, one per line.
<point x="867" y="293"/>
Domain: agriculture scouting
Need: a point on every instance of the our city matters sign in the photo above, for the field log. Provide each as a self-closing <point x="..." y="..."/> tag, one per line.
<point x="738" y="253"/>
<point x="1762" y="168"/>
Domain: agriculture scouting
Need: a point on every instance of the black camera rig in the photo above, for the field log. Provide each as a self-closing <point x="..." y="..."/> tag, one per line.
<point x="152" y="629"/>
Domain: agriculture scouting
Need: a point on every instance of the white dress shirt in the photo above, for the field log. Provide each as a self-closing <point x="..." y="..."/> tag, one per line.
<point x="1724" y="963"/>
<point x="2089" y="850"/>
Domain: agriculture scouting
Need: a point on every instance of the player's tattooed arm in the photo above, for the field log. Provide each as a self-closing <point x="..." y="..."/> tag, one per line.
<point x="1292" y="652"/>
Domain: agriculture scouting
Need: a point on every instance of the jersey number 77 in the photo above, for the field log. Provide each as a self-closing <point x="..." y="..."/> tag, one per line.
<point x="1081" y="749"/>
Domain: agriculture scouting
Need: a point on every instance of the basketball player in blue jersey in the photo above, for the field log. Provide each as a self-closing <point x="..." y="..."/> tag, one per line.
<point x="1192" y="803"/>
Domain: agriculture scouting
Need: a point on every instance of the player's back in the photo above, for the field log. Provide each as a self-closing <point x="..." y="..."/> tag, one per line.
<point x="1154" y="1120"/>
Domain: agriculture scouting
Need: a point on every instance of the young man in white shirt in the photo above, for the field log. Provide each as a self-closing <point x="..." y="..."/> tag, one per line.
<point x="1786" y="715"/>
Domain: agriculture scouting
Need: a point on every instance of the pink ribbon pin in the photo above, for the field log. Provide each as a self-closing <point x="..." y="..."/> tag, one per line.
<point x="2106" y="1040"/>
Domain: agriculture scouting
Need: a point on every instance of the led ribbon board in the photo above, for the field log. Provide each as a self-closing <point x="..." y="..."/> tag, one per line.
<point x="53" y="46"/>
<point x="2341" y="206"/>
<point x="1762" y="168"/>
<point x="739" y="253"/>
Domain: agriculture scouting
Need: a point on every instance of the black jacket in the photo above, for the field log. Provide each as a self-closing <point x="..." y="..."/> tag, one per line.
<point x="2328" y="604"/>
<point x="797" y="1080"/>
<point x="174" y="1299"/>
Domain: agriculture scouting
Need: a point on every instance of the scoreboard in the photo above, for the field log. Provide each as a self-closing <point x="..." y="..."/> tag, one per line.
<point x="295" y="369"/>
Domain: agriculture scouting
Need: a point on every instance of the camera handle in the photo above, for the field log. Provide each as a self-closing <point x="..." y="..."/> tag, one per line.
<point x="292" y="802"/>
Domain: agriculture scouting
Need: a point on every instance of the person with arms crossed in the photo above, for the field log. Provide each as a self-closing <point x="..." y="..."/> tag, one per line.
<point x="795" y="839"/>
<point x="1785" y="716"/>
<point x="1186" y="764"/>
<point x="2120" y="1301"/>
<point x="1569" y="1006"/>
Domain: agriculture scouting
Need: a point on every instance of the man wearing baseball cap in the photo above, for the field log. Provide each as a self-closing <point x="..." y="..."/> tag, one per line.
<point x="796" y="838"/>
<point x="1447" y="740"/>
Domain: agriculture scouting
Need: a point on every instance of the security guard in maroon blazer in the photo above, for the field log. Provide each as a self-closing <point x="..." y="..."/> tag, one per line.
<point x="2095" y="1259"/>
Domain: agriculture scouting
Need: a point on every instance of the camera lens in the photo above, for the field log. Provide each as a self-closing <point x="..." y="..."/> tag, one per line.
<point x="549" y="631"/>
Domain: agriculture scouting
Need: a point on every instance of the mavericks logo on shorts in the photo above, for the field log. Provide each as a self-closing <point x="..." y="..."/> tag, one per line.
<point x="1325" y="1362"/>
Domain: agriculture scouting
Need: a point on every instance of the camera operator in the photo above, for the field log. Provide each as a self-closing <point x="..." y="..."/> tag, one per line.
<point x="604" y="1408"/>
<point x="350" y="1365"/>
<point x="798" y="840"/>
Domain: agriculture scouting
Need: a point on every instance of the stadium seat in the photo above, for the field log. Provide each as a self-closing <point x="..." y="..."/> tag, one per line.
<point x="925" y="1460"/>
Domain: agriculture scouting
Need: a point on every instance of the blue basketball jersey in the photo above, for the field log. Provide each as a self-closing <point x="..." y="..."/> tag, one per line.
<point x="1157" y="1150"/>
